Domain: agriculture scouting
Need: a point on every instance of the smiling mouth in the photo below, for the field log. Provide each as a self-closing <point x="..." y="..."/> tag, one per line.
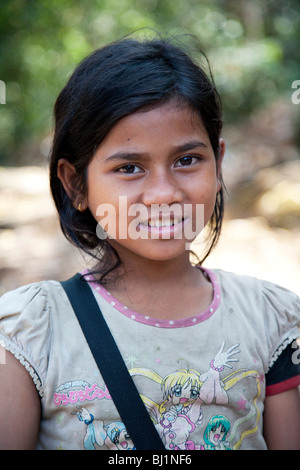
<point x="164" y="222"/>
<point x="164" y="228"/>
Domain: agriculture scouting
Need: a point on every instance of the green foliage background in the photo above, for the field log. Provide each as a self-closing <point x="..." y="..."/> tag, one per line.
<point x="253" y="47"/>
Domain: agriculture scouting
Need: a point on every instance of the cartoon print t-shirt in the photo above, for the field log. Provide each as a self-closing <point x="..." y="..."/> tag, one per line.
<point x="202" y="379"/>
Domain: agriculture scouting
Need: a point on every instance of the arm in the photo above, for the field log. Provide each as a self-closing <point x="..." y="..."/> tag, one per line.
<point x="282" y="420"/>
<point x="20" y="406"/>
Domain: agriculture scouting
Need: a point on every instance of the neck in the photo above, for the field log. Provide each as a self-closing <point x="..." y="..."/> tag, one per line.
<point x="135" y="270"/>
<point x="171" y="289"/>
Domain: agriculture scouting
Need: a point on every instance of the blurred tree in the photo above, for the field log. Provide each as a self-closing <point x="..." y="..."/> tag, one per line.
<point x="253" y="47"/>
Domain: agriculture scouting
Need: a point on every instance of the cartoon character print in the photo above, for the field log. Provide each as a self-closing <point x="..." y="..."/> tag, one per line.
<point x="114" y="435"/>
<point x="184" y="393"/>
<point x="219" y="435"/>
<point x="215" y="434"/>
<point x="181" y="389"/>
<point x="119" y="436"/>
<point x="95" y="434"/>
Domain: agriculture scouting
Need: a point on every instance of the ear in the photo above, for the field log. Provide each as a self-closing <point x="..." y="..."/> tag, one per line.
<point x="69" y="178"/>
<point x="222" y="148"/>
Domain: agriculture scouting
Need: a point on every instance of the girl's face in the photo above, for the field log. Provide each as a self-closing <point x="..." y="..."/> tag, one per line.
<point x="151" y="171"/>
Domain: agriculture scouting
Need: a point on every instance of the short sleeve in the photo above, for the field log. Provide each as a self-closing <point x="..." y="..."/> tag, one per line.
<point x="25" y="329"/>
<point x="281" y="317"/>
<point x="285" y="372"/>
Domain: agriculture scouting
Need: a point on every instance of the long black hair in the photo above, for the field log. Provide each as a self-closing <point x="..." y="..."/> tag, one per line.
<point x="111" y="83"/>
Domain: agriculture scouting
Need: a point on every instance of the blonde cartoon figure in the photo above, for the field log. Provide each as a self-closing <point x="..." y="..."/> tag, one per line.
<point x="184" y="393"/>
<point x="187" y="390"/>
<point x="181" y="390"/>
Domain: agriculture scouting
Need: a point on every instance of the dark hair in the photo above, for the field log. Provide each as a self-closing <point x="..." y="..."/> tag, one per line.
<point x="111" y="83"/>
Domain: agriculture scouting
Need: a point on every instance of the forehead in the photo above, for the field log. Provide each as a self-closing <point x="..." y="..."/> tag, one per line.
<point x="164" y="124"/>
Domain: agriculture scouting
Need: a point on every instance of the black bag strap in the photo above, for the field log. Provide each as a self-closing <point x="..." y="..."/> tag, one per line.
<point x="115" y="374"/>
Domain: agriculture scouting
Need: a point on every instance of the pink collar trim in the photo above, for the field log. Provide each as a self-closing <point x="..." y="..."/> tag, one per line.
<point x="155" y="321"/>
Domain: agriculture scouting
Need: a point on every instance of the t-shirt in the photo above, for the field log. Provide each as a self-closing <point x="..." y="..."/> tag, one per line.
<point x="202" y="379"/>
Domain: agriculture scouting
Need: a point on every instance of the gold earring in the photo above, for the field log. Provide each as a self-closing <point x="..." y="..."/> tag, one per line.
<point x="79" y="207"/>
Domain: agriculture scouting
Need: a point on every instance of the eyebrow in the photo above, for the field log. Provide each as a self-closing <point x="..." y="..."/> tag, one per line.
<point x="190" y="146"/>
<point x="127" y="156"/>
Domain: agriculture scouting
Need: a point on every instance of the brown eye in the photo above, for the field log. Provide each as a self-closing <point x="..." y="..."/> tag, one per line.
<point x="129" y="169"/>
<point x="187" y="160"/>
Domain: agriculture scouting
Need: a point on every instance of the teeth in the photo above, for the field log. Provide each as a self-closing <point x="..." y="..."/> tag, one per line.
<point x="163" y="223"/>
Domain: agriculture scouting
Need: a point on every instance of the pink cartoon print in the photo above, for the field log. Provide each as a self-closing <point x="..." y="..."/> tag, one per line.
<point x="185" y="391"/>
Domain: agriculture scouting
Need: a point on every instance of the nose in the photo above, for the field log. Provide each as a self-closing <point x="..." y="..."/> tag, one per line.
<point x="162" y="188"/>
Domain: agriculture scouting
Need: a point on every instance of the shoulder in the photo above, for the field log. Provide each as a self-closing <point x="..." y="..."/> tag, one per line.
<point x="272" y="310"/>
<point x="29" y="305"/>
<point x="256" y="290"/>
<point x="26" y="324"/>
<point x="24" y="295"/>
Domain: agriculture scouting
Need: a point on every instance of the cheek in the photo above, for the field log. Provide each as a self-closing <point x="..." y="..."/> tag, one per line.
<point x="206" y="197"/>
<point x="209" y="207"/>
<point x="99" y="195"/>
<point x="110" y="210"/>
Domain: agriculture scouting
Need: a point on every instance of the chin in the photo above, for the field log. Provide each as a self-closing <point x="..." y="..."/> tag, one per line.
<point x="154" y="250"/>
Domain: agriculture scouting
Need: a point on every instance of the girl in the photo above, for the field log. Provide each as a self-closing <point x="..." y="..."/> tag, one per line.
<point x="136" y="174"/>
